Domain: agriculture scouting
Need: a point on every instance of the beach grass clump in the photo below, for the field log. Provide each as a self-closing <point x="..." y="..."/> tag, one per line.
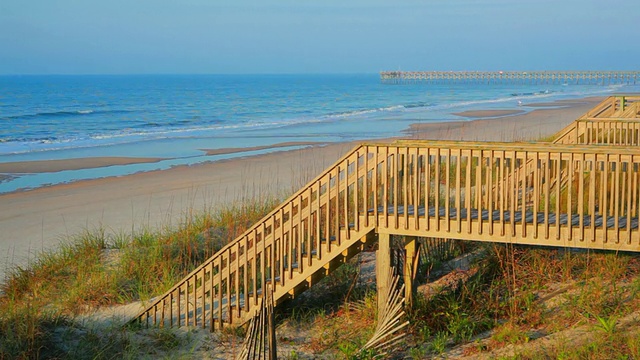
<point x="521" y="293"/>
<point x="153" y="262"/>
<point x="93" y="269"/>
<point x="344" y="331"/>
<point x="337" y="315"/>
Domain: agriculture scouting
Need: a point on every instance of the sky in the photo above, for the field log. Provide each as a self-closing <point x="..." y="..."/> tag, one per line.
<point x="305" y="36"/>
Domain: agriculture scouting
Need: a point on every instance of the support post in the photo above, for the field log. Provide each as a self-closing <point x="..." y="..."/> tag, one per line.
<point x="410" y="259"/>
<point x="271" y="324"/>
<point x="383" y="268"/>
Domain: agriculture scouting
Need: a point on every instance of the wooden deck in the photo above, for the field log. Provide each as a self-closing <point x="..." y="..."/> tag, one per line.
<point x="614" y="121"/>
<point x="494" y="77"/>
<point x="552" y="194"/>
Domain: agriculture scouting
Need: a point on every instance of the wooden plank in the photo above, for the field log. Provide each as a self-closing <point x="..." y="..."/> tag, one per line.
<point x="437" y="188"/>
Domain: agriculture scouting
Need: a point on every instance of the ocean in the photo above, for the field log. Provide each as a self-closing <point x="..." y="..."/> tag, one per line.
<point x="177" y="117"/>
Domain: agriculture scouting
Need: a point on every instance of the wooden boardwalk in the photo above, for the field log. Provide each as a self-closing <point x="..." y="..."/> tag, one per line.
<point x="551" y="194"/>
<point x="615" y="121"/>
<point x="498" y="77"/>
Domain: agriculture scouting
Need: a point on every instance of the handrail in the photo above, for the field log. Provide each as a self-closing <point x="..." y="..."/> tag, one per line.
<point x="260" y="222"/>
<point x="615" y="120"/>
<point x="262" y="232"/>
<point x="577" y="195"/>
<point x="460" y="190"/>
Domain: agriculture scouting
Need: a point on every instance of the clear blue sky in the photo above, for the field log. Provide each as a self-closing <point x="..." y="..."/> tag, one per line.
<point x="304" y="36"/>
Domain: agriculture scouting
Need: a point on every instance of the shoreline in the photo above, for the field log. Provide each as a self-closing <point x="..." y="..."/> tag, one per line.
<point x="38" y="219"/>
<point x="234" y="150"/>
<point x="10" y="169"/>
<point x="487" y="113"/>
<point x="40" y="166"/>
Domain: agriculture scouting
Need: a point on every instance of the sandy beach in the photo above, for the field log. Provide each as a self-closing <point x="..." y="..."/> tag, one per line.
<point x="36" y="220"/>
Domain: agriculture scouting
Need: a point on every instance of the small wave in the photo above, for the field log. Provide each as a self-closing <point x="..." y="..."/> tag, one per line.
<point x="541" y="92"/>
<point x="148" y="125"/>
<point x="419" y="104"/>
<point x="64" y="113"/>
<point x="343" y="114"/>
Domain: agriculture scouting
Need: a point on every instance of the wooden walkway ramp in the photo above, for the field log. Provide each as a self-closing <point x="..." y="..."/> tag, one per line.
<point x="496" y="192"/>
<point x="615" y="121"/>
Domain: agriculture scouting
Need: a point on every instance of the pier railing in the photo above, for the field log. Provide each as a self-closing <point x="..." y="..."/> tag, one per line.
<point x="498" y="192"/>
<point x="490" y="77"/>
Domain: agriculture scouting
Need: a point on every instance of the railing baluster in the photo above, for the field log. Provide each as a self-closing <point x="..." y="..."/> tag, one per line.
<point x="523" y="175"/>
<point x="436" y="188"/>
<point x="405" y="186"/>
<point x="580" y="211"/>
<point x="628" y="175"/>
<point x="570" y="172"/>
<point x="415" y="184"/>
<point x="616" y="202"/>
<point x="513" y="193"/>
<point x="318" y="216"/>
<point x="427" y="186"/>
<point x="385" y="187"/>
<point x="394" y="190"/>
<point x="337" y="216"/>
<point x="479" y="198"/>
<point x="447" y="190"/>
<point x="491" y="191"/>
<point x="345" y="200"/>
<point x="604" y="192"/>
<point x="310" y="233"/>
<point x="536" y="192"/>
<point x="458" y="201"/>
<point x="503" y="181"/>
<point x="467" y="190"/>
<point x="593" y="185"/>
<point x="289" y="244"/>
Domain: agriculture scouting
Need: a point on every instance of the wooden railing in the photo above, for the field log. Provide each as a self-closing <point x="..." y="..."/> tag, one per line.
<point x="292" y="247"/>
<point x="498" y="192"/>
<point x="482" y="191"/>
<point x="615" y="121"/>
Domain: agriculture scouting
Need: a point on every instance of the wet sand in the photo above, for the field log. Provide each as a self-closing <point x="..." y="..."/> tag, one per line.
<point x="36" y="220"/>
<point x="487" y="113"/>
<point x="225" y="151"/>
<point x="31" y="167"/>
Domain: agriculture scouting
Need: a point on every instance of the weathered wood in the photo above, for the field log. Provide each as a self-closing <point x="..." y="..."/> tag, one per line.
<point x="410" y="259"/>
<point x="553" y="194"/>
<point x="383" y="267"/>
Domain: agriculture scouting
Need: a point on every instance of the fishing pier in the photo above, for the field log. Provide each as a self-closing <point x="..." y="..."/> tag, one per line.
<point x="517" y="77"/>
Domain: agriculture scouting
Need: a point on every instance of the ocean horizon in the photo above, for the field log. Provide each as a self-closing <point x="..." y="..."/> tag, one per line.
<point x="177" y="118"/>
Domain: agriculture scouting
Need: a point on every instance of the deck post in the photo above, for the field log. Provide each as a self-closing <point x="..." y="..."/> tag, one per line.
<point x="383" y="268"/>
<point x="409" y="262"/>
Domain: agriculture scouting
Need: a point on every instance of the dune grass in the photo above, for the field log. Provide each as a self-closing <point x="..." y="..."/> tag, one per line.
<point x="94" y="269"/>
<point x="519" y="295"/>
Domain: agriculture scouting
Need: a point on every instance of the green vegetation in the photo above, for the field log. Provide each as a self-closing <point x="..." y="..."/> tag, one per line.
<point x="39" y="304"/>
<point x="517" y="297"/>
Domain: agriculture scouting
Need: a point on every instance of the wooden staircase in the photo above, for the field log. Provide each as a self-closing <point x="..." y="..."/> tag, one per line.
<point x="615" y="121"/>
<point x="496" y="192"/>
